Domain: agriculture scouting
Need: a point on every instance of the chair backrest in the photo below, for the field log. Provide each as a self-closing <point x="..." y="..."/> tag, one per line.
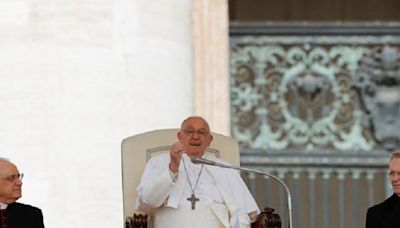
<point x="138" y="149"/>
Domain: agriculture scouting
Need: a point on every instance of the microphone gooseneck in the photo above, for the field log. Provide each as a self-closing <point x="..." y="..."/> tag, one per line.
<point x="199" y="160"/>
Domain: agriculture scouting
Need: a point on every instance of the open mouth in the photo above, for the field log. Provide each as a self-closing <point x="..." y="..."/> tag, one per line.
<point x="195" y="143"/>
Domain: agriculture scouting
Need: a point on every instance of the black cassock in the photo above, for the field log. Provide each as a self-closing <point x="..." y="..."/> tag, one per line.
<point x="385" y="214"/>
<point x="23" y="216"/>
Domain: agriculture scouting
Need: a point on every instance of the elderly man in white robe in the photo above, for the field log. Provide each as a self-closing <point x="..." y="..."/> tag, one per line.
<point x="179" y="193"/>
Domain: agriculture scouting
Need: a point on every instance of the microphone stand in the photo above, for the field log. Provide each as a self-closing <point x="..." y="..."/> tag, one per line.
<point x="199" y="160"/>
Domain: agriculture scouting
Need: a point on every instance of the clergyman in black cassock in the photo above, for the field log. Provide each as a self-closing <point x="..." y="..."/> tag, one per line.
<point x="387" y="213"/>
<point x="13" y="214"/>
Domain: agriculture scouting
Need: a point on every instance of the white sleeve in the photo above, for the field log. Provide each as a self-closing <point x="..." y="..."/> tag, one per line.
<point x="155" y="184"/>
<point x="244" y="221"/>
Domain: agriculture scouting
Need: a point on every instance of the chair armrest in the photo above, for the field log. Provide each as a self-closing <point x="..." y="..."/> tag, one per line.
<point x="139" y="220"/>
<point x="267" y="219"/>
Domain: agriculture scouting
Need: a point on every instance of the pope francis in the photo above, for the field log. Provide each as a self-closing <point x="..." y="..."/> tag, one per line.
<point x="179" y="193"/>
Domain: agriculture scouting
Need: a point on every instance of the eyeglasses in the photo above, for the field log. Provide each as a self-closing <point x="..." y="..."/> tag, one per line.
<point x="191" y="131"/>
<point x="14" y="177"/>
<point x="393" y="173"/>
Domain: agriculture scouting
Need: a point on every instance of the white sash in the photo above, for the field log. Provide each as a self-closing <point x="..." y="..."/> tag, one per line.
<point x="184" y="216"/>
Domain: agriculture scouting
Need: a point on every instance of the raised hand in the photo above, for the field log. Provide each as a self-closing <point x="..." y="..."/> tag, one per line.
<point x="175" y="154"/>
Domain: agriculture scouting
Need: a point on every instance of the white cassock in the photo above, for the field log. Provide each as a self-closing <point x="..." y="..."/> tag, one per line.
<point x="224" y="199"/>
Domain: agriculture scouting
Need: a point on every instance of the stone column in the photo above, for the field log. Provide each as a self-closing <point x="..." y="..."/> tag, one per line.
<point x="154" y="43"/>
<point x="211" y="63"/>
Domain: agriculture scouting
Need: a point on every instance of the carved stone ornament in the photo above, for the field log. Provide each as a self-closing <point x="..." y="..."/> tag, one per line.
<point x="297" y="96"/>
<point x="378" y="81"/>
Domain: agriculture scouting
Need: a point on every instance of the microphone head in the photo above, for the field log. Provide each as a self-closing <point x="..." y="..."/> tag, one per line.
<point x="195" y="160"/>
<point x="198" y="160"/>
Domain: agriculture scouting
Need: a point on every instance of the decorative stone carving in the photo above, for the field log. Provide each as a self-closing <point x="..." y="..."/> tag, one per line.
<point x="378" y="81"/>
<point x="296" y="97"/>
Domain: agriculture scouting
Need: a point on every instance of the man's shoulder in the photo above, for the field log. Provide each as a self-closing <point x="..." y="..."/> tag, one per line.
<point x="24" y="207"/>
<point x="386" y="204"/>
<point x="217" y="159"/>
<point x="376" y="208"/>
<point x="24" y="215"/>
<point x="160" y="157"/>
<point x="219" y="170"/>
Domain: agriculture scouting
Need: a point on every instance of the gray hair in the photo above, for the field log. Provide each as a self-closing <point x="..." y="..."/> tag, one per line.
<point x="395" y="154"/>
<point x="195" y="117"/>
<point x="4" y="159"/>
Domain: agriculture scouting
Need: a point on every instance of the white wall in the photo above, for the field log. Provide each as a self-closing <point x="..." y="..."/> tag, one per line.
<point x="76" y="77"/>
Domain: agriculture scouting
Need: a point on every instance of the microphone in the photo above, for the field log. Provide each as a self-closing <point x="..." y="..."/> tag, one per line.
<point x="199" y="160"/>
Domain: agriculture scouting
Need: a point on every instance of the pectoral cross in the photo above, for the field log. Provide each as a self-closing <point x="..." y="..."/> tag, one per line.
<point x="193" y="200"/>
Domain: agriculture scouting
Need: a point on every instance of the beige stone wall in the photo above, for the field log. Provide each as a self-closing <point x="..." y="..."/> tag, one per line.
<point x="78" y="76"/>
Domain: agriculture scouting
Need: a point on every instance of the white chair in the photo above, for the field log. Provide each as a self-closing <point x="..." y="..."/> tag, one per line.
<point x="138" y="149"/>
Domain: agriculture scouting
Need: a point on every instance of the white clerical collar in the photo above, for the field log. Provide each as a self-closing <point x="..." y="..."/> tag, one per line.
<point x="3" y="206"/>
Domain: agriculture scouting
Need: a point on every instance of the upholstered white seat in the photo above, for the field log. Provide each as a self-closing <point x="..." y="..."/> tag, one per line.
<point x="138" y="149"/>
